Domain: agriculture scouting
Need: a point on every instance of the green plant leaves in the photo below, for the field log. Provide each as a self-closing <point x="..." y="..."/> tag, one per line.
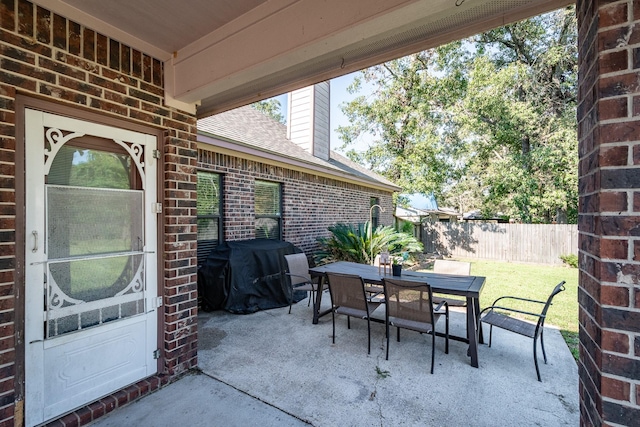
<point x="357" y="243"/>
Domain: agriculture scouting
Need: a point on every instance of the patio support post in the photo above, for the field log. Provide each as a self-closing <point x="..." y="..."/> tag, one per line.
<point x="609" y="220"/>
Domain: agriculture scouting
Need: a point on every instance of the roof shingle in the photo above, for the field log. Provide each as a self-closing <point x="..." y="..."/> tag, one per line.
<point x="250" y="127"/>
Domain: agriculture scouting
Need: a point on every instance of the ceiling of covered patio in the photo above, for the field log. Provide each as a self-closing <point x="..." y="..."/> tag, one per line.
<point x="221" y="54"/>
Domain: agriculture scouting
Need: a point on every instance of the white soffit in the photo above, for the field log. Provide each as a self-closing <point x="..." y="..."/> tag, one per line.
<point x="156" y="27"/>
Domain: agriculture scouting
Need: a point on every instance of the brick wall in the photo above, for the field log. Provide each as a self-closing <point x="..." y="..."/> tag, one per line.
<point x="609" y="224"/>
<point x="310" y="203"/>
<point x="52" y="58"/>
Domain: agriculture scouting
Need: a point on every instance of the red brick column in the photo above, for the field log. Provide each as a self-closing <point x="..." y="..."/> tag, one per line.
<point x="180" y="234"/>
<point x="48" y="57"/>
<point x="609" y="224"/>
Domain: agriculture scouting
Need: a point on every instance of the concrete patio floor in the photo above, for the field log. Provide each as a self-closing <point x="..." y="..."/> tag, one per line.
<point x="275" y="368"/>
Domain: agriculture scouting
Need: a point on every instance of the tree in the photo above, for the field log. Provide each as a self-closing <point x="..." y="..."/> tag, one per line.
<point x="488" y="122"/>
<point x="410" y="118"/>
<point x="271" y="108"/>
<point x="522" y="95"/>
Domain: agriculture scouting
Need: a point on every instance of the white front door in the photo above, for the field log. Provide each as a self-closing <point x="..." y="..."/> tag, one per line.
<point x="91" y="262"/>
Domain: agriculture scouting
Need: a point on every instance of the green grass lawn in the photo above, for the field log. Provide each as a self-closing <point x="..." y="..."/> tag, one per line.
<point x="534" y="282"/>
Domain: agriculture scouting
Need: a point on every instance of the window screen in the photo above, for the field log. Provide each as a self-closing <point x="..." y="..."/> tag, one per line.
<point x="268" y="209"/>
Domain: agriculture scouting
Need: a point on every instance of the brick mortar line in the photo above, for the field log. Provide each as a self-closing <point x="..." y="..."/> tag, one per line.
<point x="608" y="214"/>
<point x="629" y="404"/>
<point x="628" y="23"/>
<point x="8" y="364"/>
<point x="618" y="354"/>
<point x="98" y="72"/>
<point x="612" y="260"/>
<point x="630" y="144"/>
<point x="603" y="237"/>
<point x="622" y="72"/>
<point x="611" y="214"/>
<point x="620" y="120"/>
<point x="591" y="296"/>
<point x="593" y="362"/>
<point x="617" y="214"/>
<point x="622" y="167"/>
<point x="617" y="307"/>
<point x="87" y="103"/>
<point x="622" y="238"/>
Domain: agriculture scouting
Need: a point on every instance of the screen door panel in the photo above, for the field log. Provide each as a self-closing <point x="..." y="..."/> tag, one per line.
<point x="95" y="272"/>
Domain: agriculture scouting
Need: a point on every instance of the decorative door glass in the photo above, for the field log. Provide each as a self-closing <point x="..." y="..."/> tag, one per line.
<point x="94" y="240"/>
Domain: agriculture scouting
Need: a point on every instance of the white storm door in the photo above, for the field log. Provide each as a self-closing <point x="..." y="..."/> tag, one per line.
<point x="91" y="263"/>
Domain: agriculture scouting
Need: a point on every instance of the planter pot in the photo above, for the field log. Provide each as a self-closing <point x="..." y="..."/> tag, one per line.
<point x="396" y="270"/>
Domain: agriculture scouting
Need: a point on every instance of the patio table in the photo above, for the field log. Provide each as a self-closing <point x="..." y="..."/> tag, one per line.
<point x="466" y="286"/>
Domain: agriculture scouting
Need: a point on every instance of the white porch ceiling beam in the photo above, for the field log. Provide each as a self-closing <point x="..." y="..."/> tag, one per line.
<point x="276" y="36"/>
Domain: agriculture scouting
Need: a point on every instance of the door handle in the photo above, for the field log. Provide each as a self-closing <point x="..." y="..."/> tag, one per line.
<point x="35" y="241"/>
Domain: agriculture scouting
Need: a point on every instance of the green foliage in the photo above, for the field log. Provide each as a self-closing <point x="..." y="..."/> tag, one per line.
<point x="356" y="243"/>
<point x="486" y="123"/>
<point x="408" y="119"/>
<point x="570" y="259"/>
<point x="208" y="187"/>
<point x="91" y="168"/>
<point x="407" y="227"/>
<point x="573" y="342"/>
<point x="519" y="115"/>
<point x="382" y="374"/>
<point x="400" y="259"/>
<point x="271" y="108"/>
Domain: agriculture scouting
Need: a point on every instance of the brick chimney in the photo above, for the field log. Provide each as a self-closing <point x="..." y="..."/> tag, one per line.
<point x="308" y="121"/>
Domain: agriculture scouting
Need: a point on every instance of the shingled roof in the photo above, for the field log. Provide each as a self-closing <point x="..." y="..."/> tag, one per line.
<point x="249" y="128"/>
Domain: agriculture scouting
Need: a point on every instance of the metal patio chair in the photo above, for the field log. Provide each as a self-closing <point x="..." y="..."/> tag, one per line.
<point x="497" y="315"/>
<point x="348" y="297"/>
<point x="298" y="266"/>
<point x="409" y="305"/>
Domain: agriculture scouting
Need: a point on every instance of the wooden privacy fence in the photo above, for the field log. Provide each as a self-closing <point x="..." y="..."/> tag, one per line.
<point x="534" y="243"/>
